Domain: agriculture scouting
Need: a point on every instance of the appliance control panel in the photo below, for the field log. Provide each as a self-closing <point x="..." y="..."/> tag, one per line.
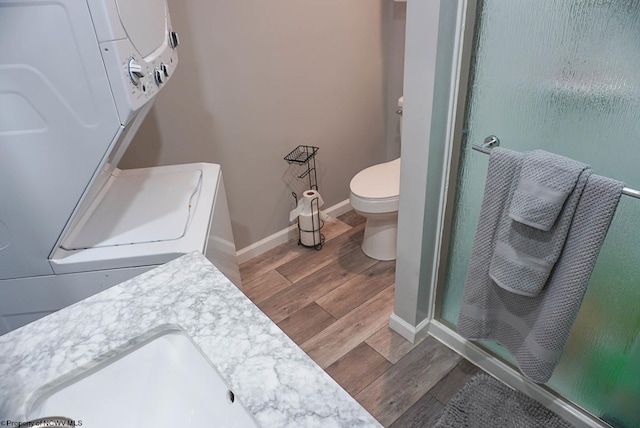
<point x="135" y="79"/>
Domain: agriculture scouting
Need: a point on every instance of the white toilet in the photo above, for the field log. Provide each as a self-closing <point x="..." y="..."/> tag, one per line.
<point x="375" y="194"/>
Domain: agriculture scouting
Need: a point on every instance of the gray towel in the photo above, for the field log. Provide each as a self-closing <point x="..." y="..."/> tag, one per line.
<point x="545" y="182"/>
<point x="533" y="329"/>
<point x="524" y="253"/>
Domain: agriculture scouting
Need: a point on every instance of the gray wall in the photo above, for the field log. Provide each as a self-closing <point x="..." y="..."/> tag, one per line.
<point x="258" y="78"/>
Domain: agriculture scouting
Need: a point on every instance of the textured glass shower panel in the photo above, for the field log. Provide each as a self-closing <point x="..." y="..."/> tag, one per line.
<point x="564" y="76"/>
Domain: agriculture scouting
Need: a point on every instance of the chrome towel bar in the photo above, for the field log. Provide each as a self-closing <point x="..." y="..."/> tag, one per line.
<point x="493" y="141"/>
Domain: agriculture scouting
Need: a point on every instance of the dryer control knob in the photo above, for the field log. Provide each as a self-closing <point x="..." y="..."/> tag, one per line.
<point x="158" y="76"/>
<point x="174" y="41"/>
<point x="165" y="69"/>
<point x="135" y="71"/>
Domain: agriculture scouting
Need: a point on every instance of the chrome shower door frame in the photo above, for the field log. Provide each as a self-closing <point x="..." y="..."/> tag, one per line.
<point x="475" y="353"/>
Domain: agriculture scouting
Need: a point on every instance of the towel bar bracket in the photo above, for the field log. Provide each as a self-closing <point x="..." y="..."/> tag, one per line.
<point x="490" y="142"/>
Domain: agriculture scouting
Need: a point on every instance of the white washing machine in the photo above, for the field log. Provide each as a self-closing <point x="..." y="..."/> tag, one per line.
<point x="77" y="78"/>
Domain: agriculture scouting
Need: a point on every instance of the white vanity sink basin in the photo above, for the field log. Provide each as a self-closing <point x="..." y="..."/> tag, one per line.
<point x="166" y="382"/>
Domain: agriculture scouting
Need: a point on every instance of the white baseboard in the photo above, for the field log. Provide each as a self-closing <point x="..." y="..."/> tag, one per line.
<point x="406" y="330"/>
<point x="338" y="209"/>
<point x="285" y="235"/>
<point x="264" y="245"/>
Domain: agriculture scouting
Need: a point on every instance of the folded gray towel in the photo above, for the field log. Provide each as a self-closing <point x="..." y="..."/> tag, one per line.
<point x="524" y="255"/>
<point x="545" y="182"/>
<point x="533" y="329"/>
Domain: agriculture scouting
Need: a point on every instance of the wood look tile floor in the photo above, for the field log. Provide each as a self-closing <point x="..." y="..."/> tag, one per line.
<point x="335" y="304"/>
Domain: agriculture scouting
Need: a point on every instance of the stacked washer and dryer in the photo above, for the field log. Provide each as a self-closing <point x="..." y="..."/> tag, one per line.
<point x="77" y="78"/>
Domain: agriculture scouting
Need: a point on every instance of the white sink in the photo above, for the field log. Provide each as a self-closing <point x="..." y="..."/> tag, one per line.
<point x="166" y="382"/>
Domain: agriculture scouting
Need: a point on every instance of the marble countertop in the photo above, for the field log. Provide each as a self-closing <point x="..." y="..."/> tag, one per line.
<point x="273" y="378"/>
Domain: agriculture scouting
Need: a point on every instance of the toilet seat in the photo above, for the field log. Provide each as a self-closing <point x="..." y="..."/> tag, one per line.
<point x="377" y="189"/>
<point x="374" y="206"/>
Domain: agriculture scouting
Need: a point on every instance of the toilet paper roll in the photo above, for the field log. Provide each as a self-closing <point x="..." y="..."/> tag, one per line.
<point x="305" y="205"/>
<point x="309" y="229"/>
<point x="309" y="217"/>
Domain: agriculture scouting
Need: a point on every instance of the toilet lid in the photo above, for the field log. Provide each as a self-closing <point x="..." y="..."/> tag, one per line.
<point x="378" y="181"/>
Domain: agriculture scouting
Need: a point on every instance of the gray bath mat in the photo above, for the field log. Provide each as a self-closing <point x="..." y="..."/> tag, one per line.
<point x="486" y="402"/>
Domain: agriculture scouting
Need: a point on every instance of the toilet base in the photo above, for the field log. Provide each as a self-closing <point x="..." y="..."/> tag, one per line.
<point x="381" y="236"/>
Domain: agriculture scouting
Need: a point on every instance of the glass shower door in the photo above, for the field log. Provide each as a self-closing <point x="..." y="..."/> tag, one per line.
<point x="563" y="76"/>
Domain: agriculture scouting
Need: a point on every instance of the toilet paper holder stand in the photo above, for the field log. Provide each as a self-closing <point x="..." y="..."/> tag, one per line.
<point x="306" y="155"/>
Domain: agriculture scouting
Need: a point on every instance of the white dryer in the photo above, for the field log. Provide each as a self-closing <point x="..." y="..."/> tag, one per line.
<point x="77" y="78"/>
